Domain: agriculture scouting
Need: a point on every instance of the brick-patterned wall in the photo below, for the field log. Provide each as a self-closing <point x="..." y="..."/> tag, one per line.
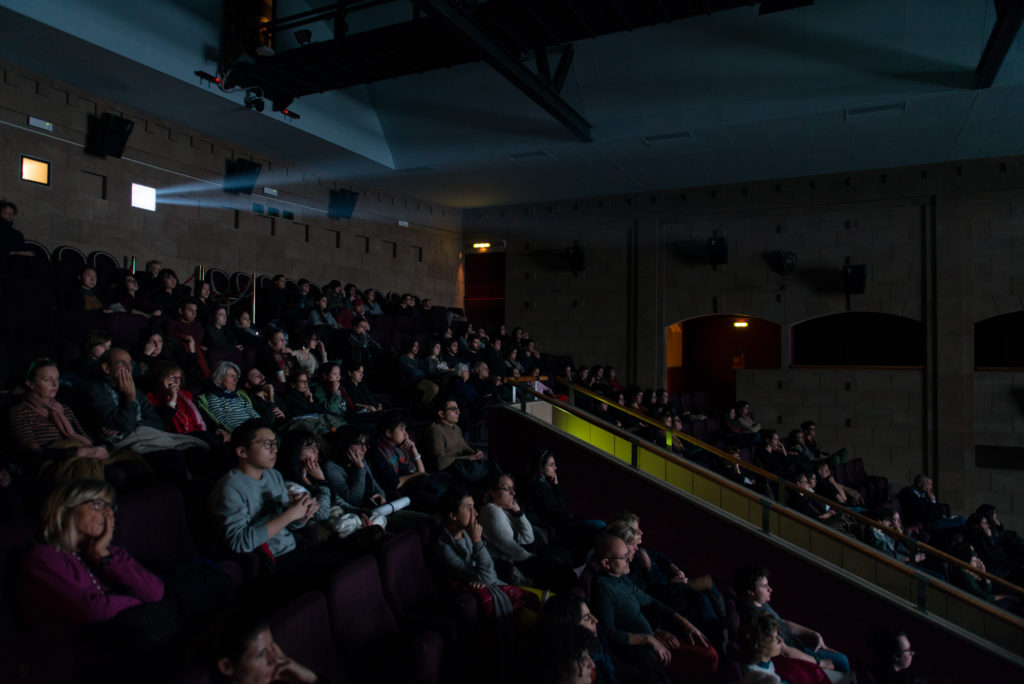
<point x="943" y="245"/>
<point x="221" y="230"/>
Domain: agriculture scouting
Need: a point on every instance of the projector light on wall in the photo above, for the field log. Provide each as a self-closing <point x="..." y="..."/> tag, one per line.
<point x="143" y="197"/>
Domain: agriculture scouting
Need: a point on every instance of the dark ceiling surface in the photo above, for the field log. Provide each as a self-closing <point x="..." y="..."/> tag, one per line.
<point x="724" y="94"/>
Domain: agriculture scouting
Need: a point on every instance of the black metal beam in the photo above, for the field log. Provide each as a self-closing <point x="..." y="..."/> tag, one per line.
<point x="568" y="52"/>
<point x="517" y="74"/>
<point x="1010" y="14"/>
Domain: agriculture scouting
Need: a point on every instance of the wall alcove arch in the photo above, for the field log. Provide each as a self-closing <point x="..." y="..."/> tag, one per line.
<point x="858" y="338"/>
<point x="705" y="352"/>
<point x="999" y="342"/>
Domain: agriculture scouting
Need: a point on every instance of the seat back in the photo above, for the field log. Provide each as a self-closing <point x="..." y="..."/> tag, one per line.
<point x="404" y="577"/>
<point x="15" y="539"/>
<point x="303" y="631"/>
<point x="152" y="526"/>
<point x="38" y="248"/>
<point x="359" y="613"/>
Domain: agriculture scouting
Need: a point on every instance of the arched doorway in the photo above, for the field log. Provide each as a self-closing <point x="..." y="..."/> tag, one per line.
<point x="705" y="352"/>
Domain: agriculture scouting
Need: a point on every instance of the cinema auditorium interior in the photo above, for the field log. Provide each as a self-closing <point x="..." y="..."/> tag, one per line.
<point x="513" y="341"/>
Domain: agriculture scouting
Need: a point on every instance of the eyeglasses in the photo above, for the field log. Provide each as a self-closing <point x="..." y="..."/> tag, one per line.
<point x="452" y="408"/>
<point x="507" y="488"/>
<point x="616" y="558"/>
<point x="268" y="444"/>
<point x="589" y="617"/>
<point x="99" y="505"/>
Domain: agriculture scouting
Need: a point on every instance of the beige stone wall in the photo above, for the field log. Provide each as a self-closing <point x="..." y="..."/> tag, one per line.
<point x="944" y="244"/>
<point x="88" y="203"/>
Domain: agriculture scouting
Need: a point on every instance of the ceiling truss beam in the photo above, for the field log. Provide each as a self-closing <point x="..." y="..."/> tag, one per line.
<point x="511" y="68"/>
<point x="1009" y="15"/>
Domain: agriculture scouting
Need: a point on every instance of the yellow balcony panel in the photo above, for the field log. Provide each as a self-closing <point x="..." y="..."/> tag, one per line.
<point x="679" y="476"/>
<point x="652" y="463"/>
<point x="706" y="489"/>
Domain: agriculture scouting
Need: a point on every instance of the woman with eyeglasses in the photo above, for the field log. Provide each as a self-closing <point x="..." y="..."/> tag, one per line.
<point x="78" y="577"/>
<point x="510" y="537"/>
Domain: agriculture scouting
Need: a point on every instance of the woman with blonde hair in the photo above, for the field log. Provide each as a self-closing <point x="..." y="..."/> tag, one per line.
<point x="77" y="577"/>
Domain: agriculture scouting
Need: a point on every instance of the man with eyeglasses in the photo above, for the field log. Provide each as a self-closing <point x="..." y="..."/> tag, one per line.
<point x="253" y="511"/>
<point x="622" y="611"/>
<point x="446" y="445"/>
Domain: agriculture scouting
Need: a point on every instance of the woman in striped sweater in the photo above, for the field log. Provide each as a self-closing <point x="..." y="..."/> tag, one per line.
<point x="226" y="406"/>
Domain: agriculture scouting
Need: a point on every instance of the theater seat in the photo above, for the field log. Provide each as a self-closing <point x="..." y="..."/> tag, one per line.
<point x="367" y="634"/>
<point x="303" y="631"/>
<point x="413" y="596"/>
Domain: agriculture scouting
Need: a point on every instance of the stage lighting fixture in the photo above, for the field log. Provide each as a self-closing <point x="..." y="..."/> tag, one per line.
<point x="254" y="100"/>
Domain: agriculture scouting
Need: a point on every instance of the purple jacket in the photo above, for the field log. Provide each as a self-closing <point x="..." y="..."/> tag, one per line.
<point x="59" y="594"/>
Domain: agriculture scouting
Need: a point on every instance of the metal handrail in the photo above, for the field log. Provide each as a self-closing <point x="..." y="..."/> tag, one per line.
<point x="776" y="506"/>
<point x="782" y="485"/>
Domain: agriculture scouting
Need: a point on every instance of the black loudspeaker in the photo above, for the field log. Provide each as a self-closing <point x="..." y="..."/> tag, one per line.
<point x="341" y="204"/>
<point x="718" y="250"/>
<point x="577" y="259"/>
<point x="108" y="134"/>
<point x="240" y="176"/>
<point x="855" y="277"/>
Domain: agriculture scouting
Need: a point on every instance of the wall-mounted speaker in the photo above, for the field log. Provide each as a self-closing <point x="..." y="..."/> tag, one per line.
<point x="718" y="250"/>
<point x="855" y="278"/>
<point x="341" y="204"/>
<point x="107" y="135"/>
<point x="240" y="176"/>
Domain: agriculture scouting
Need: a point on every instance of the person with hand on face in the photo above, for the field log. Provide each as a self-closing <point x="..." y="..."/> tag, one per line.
<point x="115" y="400"/>
<point x="78" y="577"/>
<point x="308" y="352"/>
<point x="252" y="510"/>
<point x="299" y="399"/>
<point x="300" y="465"/>
<point x="175" y="406"/>
<point x="153" y="352"/>
<point x="394" y="459"/>
<point x="753" y="593"/>
<point x="263" y="397"/>
<point x="251" y="507"/>
<point x="461" y="557"/>
<point x="248" y="654"/>
<point x="622" y="611"/>
<point x="353" y="484"/>
<point x="273" y="358"/>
